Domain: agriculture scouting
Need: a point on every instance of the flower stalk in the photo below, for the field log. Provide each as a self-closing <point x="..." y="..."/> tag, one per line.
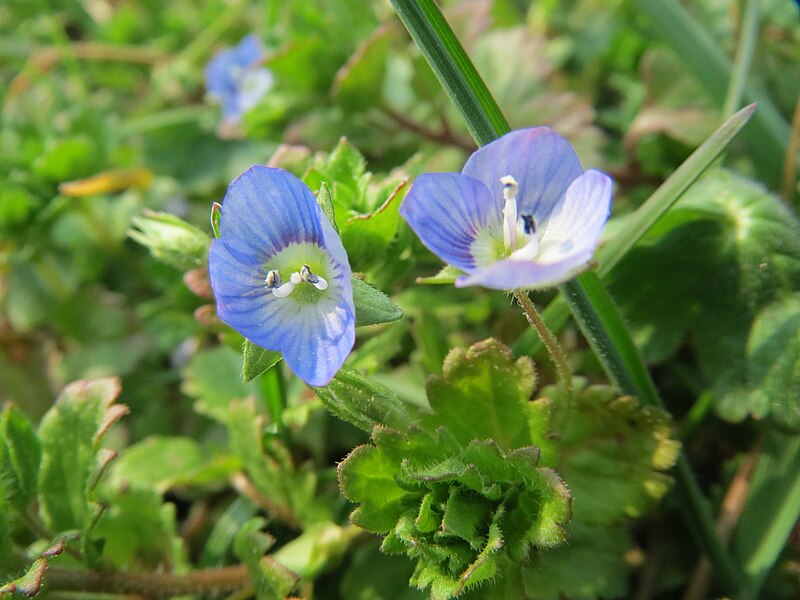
<point x="554" y="349"/>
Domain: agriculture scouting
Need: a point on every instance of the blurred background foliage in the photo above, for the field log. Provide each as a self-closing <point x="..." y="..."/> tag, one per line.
<point x="107" y="132"/>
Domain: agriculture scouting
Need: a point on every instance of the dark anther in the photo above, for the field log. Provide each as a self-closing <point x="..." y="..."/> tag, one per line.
<point x="529" y="224"/>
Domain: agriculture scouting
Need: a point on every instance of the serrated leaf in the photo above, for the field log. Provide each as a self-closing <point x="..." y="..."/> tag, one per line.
<point x="591" y="566"/>
<point x="367" y="476"/>
<point x="612" y="452"/>
<point x="270" y="579"/>
<point x="20" y="456"/>
<point x="362" y="402"/>
<point x="69" y="437"/>
<point x="373" y="306"/>
<point x="482" y="394"/>
<point x="257" y="360"/>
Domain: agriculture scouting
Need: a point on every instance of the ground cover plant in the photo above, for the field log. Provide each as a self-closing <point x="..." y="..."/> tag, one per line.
<point x="379" y="300"/>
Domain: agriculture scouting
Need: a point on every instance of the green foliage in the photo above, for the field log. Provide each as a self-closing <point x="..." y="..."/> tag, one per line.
<point x="373" y="307"/>
<point x="270" y="579"/>
<point x="171" y="239"/>
<point x="257" y="360"/>
<point x="72" y="458"/>
<point x="611" y="451"/>
<point x="20" y="456"/>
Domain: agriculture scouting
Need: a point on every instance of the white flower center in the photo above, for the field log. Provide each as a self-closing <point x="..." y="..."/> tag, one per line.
<point x="279" y="289"/>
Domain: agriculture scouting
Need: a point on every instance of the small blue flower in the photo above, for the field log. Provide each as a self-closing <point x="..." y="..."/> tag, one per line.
<point x="235" y="78"/>
<point x="522" y="213"/>
<point x="280" y="274"/>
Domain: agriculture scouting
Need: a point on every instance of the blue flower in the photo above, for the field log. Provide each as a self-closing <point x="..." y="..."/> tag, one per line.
<point x="280" y="274"/>
<point x="522" y="213"/>
<point x="235" y="79"/>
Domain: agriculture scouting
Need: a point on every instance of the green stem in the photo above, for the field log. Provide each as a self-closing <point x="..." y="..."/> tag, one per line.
<point x="744" y="58"/>
<point x="550" y="342"/>
<point x="482" y="115"/>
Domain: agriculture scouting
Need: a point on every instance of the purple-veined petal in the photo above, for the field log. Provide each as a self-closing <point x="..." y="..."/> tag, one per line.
<point x="511" y="274"/>
<point x="575" y="224"/>
<point x="265" y="210"/>
<point x="318" y="339"/>
<point x="447" y="211"/>
<point x="542" y="162"/>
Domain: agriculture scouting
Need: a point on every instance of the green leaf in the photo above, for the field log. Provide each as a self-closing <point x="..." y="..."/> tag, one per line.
<point x="373" y="306"/>
<point x="362" y="402"/>
<point x="359" y="82"/>
<point x="171" y="239"/>
<point x="138" y="529"/>
<point x="482" y="394"/>
<point x="70" y="435"/>
<point x="214" y="378"/>
<point x="773" y="367"/>
<point x="373" y="575"/>
<point x="271" y="580"/>
<point x="592" y="565"/>
<point x="367" y="476"/>
<point x="325" y="201"/>
<point x="216" y="215"/>
<point x="447" y="276"/>
<point x="317" y="549"/>
<point x="612" y="452"/>
<point x="20" y="456"/>
<point x="257" y="360"/>
<point x="161" y="463"/>
<point x="30" y="583"/>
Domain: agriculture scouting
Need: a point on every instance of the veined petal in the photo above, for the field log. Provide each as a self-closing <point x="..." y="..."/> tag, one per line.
<point x="542" y="162"/>
<point x="575" y="224"/>
<point x="318" y="339"/>
<point x="265" y="210"/>
<point x="448" y="211"/>
<point x="511" y="274"/>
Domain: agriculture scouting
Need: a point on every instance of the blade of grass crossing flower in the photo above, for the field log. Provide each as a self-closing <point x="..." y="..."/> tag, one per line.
<point x="772" y="509"/>
<point x="480" y="112"/>
<point x="769" y="132"/>
<point x="455" y="71"/>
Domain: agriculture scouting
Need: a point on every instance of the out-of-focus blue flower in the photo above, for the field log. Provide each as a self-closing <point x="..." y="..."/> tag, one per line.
<point x="522" y="214"/>
<point x="280" y="274"/>
<point x="235" y="78"/>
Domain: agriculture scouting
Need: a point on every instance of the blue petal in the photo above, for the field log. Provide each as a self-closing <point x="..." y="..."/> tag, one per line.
<point x="578" y="220"/>
<point x="541" y="160"/>
<point x="219" y="81"/>
<point x="249" y="51"/>
<point x="265" y="210"/>
<point x="510" y="274"/>
<point x="447" y="211"/>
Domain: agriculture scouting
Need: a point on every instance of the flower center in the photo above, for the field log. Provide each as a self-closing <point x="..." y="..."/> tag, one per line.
<point x="274" y="281"/>
<point x="520" y="233"/>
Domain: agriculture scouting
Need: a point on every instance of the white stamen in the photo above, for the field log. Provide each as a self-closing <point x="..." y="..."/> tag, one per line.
<point x="510" y="188"/>
<point x="285" y="289"/>
<point x="320" y="284"/>
<point x="296" y="278"/>
<point x="529" y="251"/>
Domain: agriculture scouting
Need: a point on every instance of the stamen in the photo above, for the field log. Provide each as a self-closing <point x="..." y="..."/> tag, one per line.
<point x="284" y="290"/>
<point x="510" y="188"/>
<point x="315" y="280"/>
<point x="273" y="279"/>
<point x="529" y="224"/>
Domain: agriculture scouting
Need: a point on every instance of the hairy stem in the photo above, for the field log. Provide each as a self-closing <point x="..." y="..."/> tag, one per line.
<point x="149" y="585"/>
<point x="550" y="342"/>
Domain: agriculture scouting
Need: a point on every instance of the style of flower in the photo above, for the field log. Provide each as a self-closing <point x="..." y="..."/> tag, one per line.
<point x="280" y="273"/>
<point x="522" y="214"/>
<point x="235" y="78"/>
